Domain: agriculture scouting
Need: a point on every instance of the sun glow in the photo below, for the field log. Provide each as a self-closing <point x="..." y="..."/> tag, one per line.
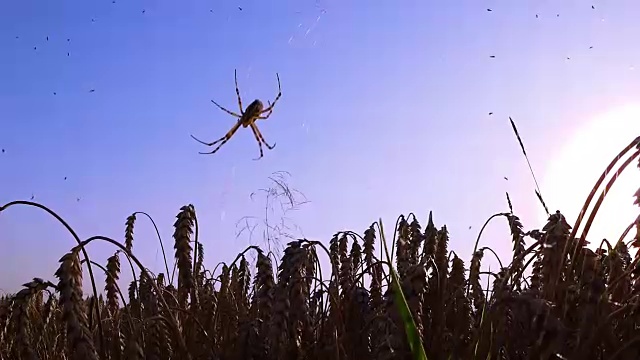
<point x="575" y="169"/>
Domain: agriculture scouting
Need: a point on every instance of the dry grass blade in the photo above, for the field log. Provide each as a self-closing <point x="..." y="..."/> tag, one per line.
<point x="524" y="152"/>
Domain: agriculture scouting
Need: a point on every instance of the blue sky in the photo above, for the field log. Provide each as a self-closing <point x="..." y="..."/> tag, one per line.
<point x="385" y="110"/>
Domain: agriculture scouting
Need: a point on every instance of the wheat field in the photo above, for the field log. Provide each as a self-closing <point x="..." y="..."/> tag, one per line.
<point x="555" y="299"/>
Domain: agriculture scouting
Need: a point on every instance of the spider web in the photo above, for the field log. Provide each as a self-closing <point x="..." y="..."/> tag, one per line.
<point x="309" y="22"/>
<point x="227" y="188"/>
<point x="304" y="33"/>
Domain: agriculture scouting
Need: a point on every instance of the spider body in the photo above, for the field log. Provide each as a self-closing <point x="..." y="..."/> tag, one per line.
<point x="247" y="118"/>
<point x="252" y="113"/>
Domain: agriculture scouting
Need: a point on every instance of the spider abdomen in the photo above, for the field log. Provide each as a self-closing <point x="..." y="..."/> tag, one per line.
<point x="253" y="111"/>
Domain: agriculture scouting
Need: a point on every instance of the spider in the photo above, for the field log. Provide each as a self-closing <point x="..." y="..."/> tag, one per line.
<point x="254" y="112"/>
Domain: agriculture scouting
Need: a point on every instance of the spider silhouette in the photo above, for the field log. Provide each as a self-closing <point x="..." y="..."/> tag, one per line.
<point x="247" y="118"/>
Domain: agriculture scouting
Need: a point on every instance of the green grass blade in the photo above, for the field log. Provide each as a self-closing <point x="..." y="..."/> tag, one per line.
<point x="415" y="342"/>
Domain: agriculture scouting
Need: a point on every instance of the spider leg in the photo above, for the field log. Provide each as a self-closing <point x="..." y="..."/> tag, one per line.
<point x="266" y="116"/>
<point x="206" y="143"/>
<point x="223" y="109"/>
<point x="276" y="99"/>
<point x="235" y="76"/>
<point x="259" y="136"/>
<point x="255" y="131"/>
<point x="222" y="140"/>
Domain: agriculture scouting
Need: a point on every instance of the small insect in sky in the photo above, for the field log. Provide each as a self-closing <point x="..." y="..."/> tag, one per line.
<point x="489" y="10"/>
<point x="492" y="56"/>
<point x="32" y="197"/>
<point x="92" y="90"/>
<point x="246" y="118"/>
<point x="490" y="113"/>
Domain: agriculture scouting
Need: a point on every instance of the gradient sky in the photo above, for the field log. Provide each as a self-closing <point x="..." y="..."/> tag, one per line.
<point x="385" y="110"/>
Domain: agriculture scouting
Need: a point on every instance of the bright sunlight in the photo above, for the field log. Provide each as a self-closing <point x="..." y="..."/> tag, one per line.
<point x="578" y="165"/>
